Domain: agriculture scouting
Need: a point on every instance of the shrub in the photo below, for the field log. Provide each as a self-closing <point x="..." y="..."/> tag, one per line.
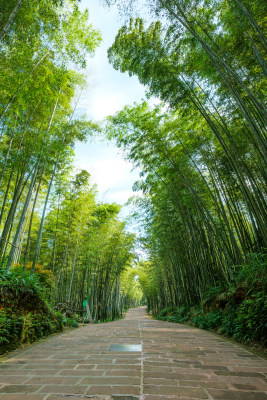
<point x="209" y="320"/>
<point x="10" y="328"/>
<point x="25" y="315"/>
<point x="253" y="274"/>
<point x="72" y="322"/>
<point x="45" y="276"/>
<point x="175" y="314"/>
<point x="19" y="282"/>
<point x="238" y="310"/>
<point x="251" y="320"/>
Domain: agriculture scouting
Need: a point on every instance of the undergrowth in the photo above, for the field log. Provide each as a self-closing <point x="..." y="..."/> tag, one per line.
<point x="25" y="315"/>
<point x="238" y="310"/>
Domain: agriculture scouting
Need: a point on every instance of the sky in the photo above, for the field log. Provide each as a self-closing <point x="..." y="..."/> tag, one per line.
<point x="109" y="91"/>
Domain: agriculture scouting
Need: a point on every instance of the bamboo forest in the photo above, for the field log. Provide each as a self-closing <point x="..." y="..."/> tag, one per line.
<point x="193" y="247"/>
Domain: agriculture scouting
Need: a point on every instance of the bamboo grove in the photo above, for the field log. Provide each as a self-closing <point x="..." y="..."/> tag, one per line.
<point x="202" y="151"/>
<point x="49" y="217"/>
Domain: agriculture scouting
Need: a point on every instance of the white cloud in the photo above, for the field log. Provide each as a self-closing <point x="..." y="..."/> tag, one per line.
<point x="109" y="171"/>
<point x="105" y="105"/>
<point x="120" y="197"/>
<point x="109" y="91"/>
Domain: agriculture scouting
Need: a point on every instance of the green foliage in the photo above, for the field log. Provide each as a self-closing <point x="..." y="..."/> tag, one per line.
<point x="19" y="282"/>
<point x="252" y="274"/>
<point x="209" y="320"/>
<point x="10" y="328"/>
<point x="202" y="153"/>
<point x="251" y="318"/>
<point x="131" y="287"/>
<point x="57" y="244"/>
<point x="27" y="328"/>
<point x="71" y="322"/>
<point x="45" y="277"/>
<point x="174" y="314"/>
<point x="241" y="314"/>
<point x="25" y="316"/>
<point x="212" y="292"/>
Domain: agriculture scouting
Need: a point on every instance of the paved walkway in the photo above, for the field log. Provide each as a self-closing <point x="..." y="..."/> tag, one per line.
<point x="177" y="362"/>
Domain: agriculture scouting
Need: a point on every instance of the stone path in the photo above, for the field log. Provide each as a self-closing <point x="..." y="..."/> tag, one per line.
<point x="177" y="362"/>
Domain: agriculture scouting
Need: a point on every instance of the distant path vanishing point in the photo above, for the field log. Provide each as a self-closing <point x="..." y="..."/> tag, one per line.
<point x="166" y="361"/>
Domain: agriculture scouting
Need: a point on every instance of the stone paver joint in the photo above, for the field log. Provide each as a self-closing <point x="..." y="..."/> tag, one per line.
<point x="136" y="358"/>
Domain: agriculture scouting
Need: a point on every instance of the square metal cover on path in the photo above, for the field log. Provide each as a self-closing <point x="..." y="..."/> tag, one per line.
<point x="125" y="347"/>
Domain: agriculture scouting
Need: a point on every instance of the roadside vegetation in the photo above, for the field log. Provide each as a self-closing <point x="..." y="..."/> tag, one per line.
<point x="202" y="153"/>
<point x="237" y="310"/>
<point x="25" y="315"/>
<point x="62" y="252"/>
<point x="66" y="257"/>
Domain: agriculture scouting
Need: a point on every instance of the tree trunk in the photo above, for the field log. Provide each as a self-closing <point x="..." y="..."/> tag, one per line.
<point x="22" y="218"/>
<point x="39" y="238"/>
<point x="30" y="225"/>
<point x="10" y="18"/>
